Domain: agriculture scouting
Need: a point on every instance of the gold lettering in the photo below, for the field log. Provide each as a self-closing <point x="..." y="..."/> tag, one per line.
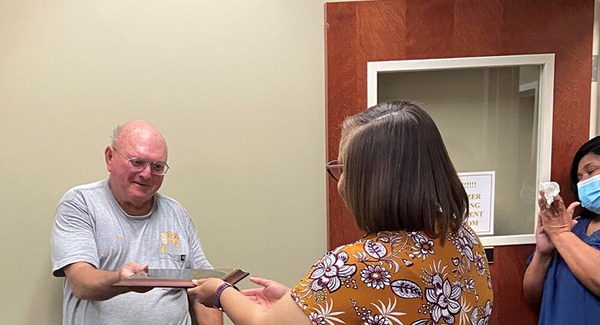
<point x="474" y="196"/>
<point x="475" y="213"/>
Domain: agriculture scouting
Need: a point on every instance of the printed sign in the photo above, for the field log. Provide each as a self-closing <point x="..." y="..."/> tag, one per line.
<point x="480" y="189"/>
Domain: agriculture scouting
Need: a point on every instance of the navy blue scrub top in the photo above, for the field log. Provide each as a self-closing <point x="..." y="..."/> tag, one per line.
<point x="565" y="300"/>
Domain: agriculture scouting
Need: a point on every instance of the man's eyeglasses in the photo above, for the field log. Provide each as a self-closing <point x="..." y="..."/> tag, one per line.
<point x="156" y="168"/>
<point x="335" y="169"/>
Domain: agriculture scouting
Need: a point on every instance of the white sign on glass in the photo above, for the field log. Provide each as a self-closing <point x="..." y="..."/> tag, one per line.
<point x="480" y="190"/>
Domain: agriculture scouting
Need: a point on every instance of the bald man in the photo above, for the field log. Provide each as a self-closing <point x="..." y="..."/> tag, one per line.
<point x="105" y="230"/>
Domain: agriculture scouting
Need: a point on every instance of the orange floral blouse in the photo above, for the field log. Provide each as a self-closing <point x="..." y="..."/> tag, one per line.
<point x="400" y="278"/>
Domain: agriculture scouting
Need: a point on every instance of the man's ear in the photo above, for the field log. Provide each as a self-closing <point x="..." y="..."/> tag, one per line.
<point x="108" y="158"/>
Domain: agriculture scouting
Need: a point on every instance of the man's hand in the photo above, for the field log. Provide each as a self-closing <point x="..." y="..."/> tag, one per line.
<point x="130" y="269"/>
<point x="89" y="283"/>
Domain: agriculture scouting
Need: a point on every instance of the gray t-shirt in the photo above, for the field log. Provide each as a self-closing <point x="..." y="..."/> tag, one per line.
<point x="91" y="227"/>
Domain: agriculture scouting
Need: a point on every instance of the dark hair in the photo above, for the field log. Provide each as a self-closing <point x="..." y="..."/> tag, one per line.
<point x="397" y="172"/>
<point x="592" y="146"/>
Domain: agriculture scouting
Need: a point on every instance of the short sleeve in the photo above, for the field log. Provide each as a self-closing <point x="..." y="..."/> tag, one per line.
<point x="72" y="238"/>
<point x="528" y="261"/>
<point x="328" y="288"/>
<point x="198" y="259"/>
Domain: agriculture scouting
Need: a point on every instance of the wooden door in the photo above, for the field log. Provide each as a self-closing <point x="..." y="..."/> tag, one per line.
<point x="359" y="32"/>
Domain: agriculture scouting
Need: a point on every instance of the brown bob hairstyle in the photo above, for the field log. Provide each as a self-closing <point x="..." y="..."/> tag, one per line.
<point x="397" y="172"/>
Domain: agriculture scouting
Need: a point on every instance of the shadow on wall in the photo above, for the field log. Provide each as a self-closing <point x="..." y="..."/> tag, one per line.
<point x="46" y="303"/>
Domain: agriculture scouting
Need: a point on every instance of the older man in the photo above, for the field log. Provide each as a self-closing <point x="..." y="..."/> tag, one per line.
<point x="104" y="230"/>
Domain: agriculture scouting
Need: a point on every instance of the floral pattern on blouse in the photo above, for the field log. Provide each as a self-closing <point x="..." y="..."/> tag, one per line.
<point x="400" y="278"/>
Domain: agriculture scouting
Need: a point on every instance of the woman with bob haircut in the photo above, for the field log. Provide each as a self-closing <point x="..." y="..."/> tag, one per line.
<point x="563" y="274"/>
<point x="418" y="262"/>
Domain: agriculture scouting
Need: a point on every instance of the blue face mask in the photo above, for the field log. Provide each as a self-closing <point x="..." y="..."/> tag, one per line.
<point x="589" y="193"/>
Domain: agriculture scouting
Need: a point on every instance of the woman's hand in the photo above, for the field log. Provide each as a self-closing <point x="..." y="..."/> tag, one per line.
<point x="205" y="290"/>
<point x="555" y="219"/>
<point x="543" y="244"/>
<point x="582" y="259"/>
<point x="269" y="294"/>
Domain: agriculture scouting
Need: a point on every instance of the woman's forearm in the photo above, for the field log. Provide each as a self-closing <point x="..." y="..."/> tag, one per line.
<point x="242" y="310"/>
<point x="535" y="276"/>
<point x="582" y="259"/>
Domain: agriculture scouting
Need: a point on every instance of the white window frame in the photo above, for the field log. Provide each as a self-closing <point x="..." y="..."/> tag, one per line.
<point x="545" y="109"/>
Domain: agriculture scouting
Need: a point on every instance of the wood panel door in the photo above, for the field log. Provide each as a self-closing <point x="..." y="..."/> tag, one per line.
<point x="360" y="32"/>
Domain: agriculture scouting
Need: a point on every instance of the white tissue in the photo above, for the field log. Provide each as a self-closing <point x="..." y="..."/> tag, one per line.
<point x="551" y="190"/>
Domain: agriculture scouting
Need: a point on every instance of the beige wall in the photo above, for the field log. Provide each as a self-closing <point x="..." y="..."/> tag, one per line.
<point x="236" y="87"/>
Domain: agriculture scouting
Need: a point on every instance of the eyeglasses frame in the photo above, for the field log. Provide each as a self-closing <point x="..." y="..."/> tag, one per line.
<point x="334" y="164"/>
<point x="146" y="162"/>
